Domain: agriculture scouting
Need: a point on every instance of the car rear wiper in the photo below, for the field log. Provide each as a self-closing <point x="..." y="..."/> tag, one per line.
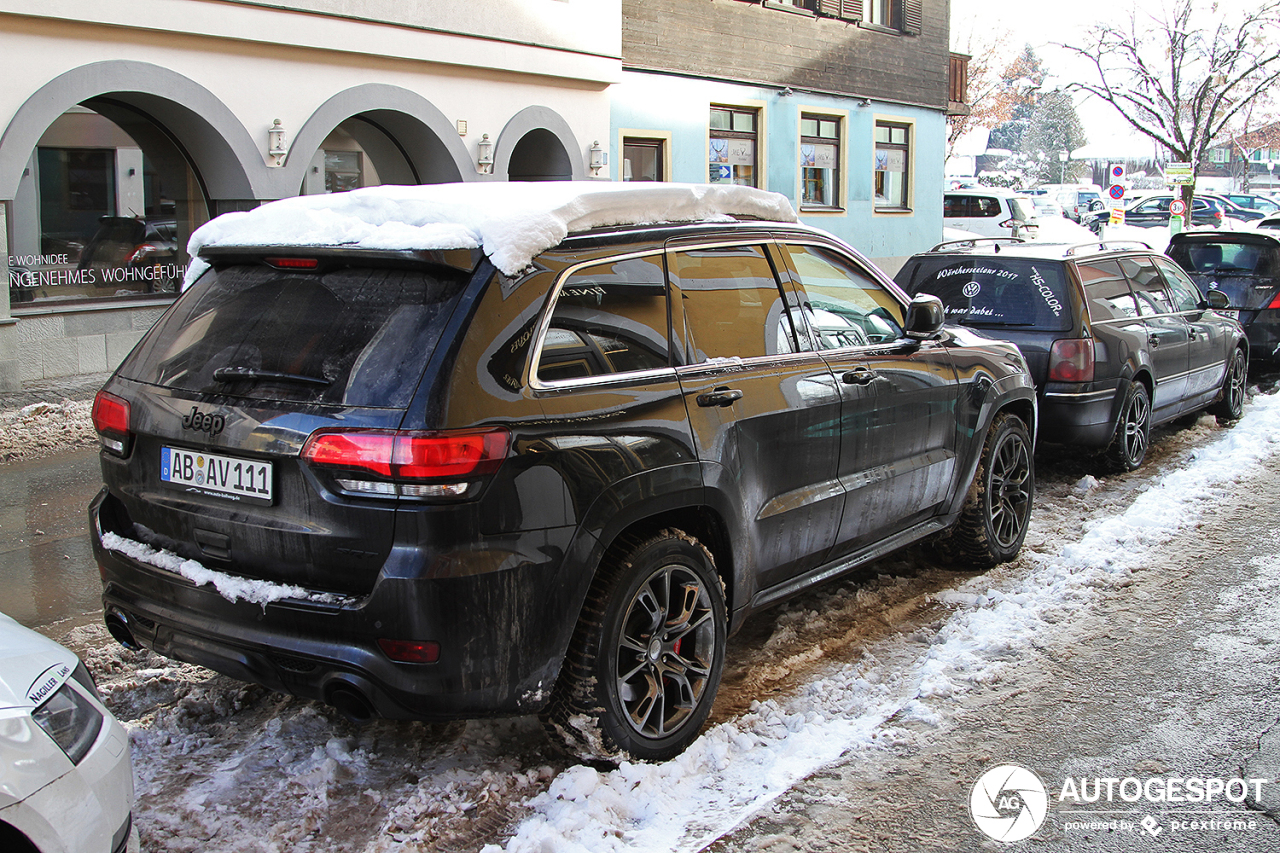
<point x="242" y="374"/>
<point x="977" y="324"/>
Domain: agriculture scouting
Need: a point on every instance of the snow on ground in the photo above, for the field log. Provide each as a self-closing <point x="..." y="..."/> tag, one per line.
<point x="43" y="428"/>
<point x="739" y="766"/>
<point x="222" y="765"/>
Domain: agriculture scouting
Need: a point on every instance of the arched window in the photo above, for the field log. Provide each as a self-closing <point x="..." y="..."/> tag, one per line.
<point x="104" y="210"/>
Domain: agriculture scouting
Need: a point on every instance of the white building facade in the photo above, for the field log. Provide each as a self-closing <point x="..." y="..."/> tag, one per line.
<point x="126" y="124"/>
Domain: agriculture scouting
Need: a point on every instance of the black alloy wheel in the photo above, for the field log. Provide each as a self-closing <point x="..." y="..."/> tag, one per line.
<point x="1128" y="447"/>
<point x="997" y="509"/>
<point x="646" y="659"/>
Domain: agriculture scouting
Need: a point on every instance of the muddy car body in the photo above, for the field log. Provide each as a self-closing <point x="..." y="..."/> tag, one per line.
<point x="551" y="484"/>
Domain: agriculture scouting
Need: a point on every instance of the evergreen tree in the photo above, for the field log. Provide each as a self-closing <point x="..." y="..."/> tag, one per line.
<point x="1054" y="126"/>
<point x="1020" y="89"/>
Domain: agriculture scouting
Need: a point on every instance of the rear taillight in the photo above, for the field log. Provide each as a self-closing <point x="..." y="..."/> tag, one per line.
<point x="1275" y="301"/>
<point x="111" y="420"/>
<point x="406" y="463"/>
<point x="1071" y="360"/>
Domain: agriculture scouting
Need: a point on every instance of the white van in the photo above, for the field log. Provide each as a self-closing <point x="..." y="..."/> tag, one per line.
<point x="990" y="212"/>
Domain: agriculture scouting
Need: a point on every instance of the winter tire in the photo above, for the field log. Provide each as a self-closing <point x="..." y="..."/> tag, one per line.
<point x="1230" y="406"/>
<point x="994" y="519"/>
<point x="1129" y="445"/>
<point x="647" y="655"/>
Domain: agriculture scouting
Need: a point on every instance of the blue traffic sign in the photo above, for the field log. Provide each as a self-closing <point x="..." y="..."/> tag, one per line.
<point x="1116" y="191"/>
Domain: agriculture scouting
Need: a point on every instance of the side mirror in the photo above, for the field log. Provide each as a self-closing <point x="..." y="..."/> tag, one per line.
<point x="924" y="317"/>
<point x="1217" y="300"/>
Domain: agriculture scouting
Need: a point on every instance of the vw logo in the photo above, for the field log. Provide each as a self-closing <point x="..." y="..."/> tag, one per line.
<point x="971" y="289"/>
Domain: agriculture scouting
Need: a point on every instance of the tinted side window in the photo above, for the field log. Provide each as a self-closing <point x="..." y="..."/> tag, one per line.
<point x="1148" y="286"/>
<point x="845" y="306"/>
<point x="608" y="318"/>
<point x="1185" y="295"/>
<point x="1107" y="290"/>
<point x="985" y="206"/>
<point x="732" y="303"/>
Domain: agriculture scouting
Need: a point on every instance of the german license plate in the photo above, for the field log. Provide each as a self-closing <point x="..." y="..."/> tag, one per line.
<point x="220" y="476"/>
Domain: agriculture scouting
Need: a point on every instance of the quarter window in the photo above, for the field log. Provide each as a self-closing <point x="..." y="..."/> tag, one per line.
<point x="608" y="318"/>
<point x="819" y="161"/>
<point x="892" y="163"/>
<point x="733" y="146"/>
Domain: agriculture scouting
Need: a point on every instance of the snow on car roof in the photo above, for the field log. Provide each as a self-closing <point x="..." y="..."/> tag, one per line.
<point x="511" y="222"/>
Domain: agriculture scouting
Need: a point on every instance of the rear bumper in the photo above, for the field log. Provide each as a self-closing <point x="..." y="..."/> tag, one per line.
<point x="1085" y="418"/>
<point x="502" y="629"/>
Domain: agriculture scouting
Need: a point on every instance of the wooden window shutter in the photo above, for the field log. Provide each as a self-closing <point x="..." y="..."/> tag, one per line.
<point x="912" y="17"/>
<point x="851" y="10"/>
<point x="830" y="8"/>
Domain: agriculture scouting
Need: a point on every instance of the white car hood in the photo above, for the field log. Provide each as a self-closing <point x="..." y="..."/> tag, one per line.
<point x="32" y="666"/>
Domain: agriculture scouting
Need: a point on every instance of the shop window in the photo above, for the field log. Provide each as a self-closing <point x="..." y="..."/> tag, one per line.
<point x="341" y="171"/>
<point x="733" y="146"/>
<point x="892" y="166"/>
<point x="819" y="162"/>
<point x="643" y="159"/>
<point x="356" y="154"/>
<point x="105" y="209"/>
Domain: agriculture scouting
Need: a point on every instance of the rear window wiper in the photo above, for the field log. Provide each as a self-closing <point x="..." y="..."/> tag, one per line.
<point x="246" y="374"/>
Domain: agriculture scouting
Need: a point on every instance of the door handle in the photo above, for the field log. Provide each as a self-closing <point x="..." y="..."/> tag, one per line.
<point x="1153" y="340"/>
<point x="722" y="396"/>
<point x="858" y="376"/>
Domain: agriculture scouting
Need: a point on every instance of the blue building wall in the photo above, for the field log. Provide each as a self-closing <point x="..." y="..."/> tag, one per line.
<point x="677" y="109"/>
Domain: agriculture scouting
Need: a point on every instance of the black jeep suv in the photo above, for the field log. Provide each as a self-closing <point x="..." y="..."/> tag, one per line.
<point x="1117" y="338"/>
<point x="410" y="484"/>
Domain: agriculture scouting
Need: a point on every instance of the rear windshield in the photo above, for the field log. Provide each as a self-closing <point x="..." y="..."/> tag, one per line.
<point x="1022" y="209"/>
<point x="997" y="293"/>
<point x="353" y="337"/>
<point x="1224" y="257"/>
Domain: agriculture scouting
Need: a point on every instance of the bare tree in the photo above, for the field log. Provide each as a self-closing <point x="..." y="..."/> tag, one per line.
<point x="1183" y="75"/>
<point x="986" y="109"/>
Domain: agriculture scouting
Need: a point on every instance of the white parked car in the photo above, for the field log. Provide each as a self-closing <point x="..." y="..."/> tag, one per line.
<point x="66" y="782"/>
<point x="990" y="212"/>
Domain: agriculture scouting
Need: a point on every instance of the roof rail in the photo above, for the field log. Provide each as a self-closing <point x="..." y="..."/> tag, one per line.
<point x="972" y="242"/>
<point x="1107" y="246"/>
